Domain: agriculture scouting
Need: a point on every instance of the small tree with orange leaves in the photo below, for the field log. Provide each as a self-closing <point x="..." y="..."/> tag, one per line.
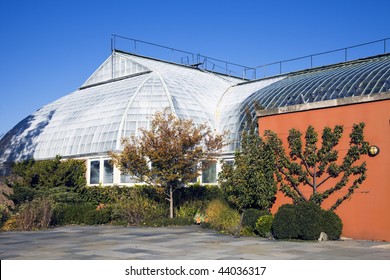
<point x="171" y="154"/>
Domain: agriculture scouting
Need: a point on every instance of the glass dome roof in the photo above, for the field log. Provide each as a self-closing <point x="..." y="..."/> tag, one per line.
<point x="123" y="93"/>
<point x="355" y="78"/>
<point x="114" y="102"/>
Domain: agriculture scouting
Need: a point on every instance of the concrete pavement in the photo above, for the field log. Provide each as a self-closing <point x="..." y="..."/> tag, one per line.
<point x="191" y="242"/>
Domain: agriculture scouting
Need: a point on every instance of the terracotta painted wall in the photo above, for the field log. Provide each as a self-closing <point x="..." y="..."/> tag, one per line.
<point x="367" y="214"/>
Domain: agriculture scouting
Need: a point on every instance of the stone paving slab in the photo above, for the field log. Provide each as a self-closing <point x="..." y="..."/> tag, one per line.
<point x="182" y="243"/>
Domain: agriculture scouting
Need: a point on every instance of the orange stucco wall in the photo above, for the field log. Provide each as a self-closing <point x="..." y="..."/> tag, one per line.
<point x="366" y="215"/>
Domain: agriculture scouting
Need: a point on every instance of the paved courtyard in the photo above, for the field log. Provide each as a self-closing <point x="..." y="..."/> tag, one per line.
<point x="192" y="242"/>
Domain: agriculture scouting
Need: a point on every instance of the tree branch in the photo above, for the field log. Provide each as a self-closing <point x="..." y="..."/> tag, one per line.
<point x="294" y="187"/>
<point x="326" y="179"/>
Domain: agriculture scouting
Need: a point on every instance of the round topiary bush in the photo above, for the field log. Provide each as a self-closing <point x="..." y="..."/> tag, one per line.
<point x="305" y="221"/>
<point x="332" y="225"/>
<point x="310" y="220"/>
<point x="264" y="225"/>
<point x="285" y="223"/>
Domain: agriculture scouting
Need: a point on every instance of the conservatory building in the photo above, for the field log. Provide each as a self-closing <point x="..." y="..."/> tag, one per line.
<point x="122" y="95"/>
<point x="127" y="89"/>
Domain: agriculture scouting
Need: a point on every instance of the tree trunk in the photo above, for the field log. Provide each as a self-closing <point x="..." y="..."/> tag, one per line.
<point x="170" y="202"/>
<point x="238" y="232"/>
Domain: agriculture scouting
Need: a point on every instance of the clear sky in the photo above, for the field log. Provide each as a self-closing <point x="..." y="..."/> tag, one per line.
<point x="49" y="48"/>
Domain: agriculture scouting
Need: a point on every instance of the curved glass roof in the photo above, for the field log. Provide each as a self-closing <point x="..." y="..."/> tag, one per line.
<point x="356" y="78"/>
<point x="123" y="93"/>
<point x="114" y="102"/>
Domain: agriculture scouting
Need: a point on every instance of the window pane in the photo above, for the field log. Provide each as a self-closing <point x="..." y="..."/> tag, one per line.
<point x="209" y="175"/>
<point x="108" y="175"/>
<point x="94" y="172"/>
<point x="127" y="179"/>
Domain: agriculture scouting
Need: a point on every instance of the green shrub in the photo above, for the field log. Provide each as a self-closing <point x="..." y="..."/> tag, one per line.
<point x="251" y="216"/>
<point x="332" y="225"/>
<point x="222" y="217"/>
<point x="264" y="225"/>
<point x="72" y="213"/>
<point x="285" y="224"/>
<point x="98" y="216"/>
<point x="197" y="193"/>
<point x="115" y="194"/>
<point x="33" y="179"/>
<point x="247" y="231"/>
<point x="305" y="221"/>
<point x="189" y="209"/>
<point x="310" y="220"/>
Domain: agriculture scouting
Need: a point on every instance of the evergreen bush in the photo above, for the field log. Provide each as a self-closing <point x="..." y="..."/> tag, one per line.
<point x="251" y="216"/>
<point x="310" y="220"/>
<point x="72" y="213"/>
<point x="264" y="225"/>
<point x="305" y="221"/>
<point x="54" y="179"/>
<point x="98" y="216"/>
<point x="197" y="192"/>
<point x="285" y="224"/>
<point x="332" y="225"/>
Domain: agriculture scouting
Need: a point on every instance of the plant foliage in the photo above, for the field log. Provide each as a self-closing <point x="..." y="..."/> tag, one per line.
<point x="58" y="179"/>
<point x="264" y="226"/>
<point x="305" y="220"/>
<point x="310" y="164"/>
<point x="249" y="181"/>
<point x="170" y="154"/>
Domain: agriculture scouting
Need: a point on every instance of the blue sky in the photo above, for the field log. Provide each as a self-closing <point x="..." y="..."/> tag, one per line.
<point x="49" y="48"/>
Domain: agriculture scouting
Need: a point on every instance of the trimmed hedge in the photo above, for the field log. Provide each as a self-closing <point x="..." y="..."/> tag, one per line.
<point x="285" y="224"/>
<point x="310" y="219"/>
<point x="305" y="221"/>
<point x="333" y="225"/>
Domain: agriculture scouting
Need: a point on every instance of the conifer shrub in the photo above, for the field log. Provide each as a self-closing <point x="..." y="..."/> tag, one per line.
<point x="332" y="225"/>
<point x="68" y="214"/>
<point x="310" y="220"/>
<point x="305" y="221"/>
<point x="55" y="178"/>
<point x="285" y="223"/>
